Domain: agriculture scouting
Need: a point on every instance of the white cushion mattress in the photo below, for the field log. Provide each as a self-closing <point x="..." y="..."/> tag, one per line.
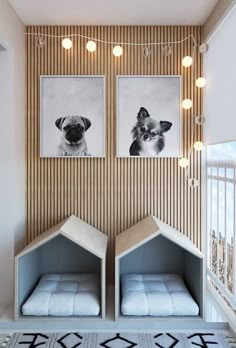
<point x="64" y="295"/>
<point x="156" y="295"/>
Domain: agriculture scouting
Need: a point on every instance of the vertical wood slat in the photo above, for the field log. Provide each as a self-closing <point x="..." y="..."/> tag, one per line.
<point x="111" y="193"/>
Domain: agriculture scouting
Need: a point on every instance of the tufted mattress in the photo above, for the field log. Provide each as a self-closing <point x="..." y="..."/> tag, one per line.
<point x="65" y="295"/>
<point x="156" y="295"/>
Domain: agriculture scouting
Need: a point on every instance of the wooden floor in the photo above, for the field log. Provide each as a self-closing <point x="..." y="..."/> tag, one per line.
<point x="215" y="320"/>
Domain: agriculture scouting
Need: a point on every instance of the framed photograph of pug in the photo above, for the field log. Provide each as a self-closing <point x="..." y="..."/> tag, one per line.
<point x="149" y="116"/>
<point x="72" y="116"/>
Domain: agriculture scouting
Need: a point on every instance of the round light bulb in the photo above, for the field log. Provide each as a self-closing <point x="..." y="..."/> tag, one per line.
<point x="67" y="43"/>
<point x="167" y="50"/>
<point x="201" y="82"/>
<point x="187" y="104"/>
<point x="183" y="162"/>
<point x="117" y="51"/>
<point x="200" y="120"/>
<point x="41" y="42"/>
<point x="198" y="146"/>
<point x="91" y="46"/>
<point x="187" y="61"/>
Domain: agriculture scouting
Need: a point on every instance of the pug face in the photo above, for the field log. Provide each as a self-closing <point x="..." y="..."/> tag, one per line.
<point x="73" y="128"/>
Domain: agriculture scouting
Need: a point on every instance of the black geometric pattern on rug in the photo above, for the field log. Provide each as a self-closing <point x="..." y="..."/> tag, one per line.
<point x="204" y="343"/>
<point x="117" y="340"/>
<point x="36" y="337"/>
<point x="106" y="344"/>
<point x="173" y="343"/>
<point x="72" y="336"/>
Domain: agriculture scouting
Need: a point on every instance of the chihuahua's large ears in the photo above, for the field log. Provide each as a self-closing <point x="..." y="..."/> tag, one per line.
<point x="87" y="122"/>
<point x="59" y="122"/>
<point x="142" y="114"/>
<point x="165" y="126"/>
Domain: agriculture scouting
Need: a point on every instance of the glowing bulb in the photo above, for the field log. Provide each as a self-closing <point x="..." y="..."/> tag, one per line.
<point x="91" y="46"/>
<point x="187" y="61"/>
<point x="198" y="146"/>
<point x="201" y="82"/>
<point x="187" y="104"/>
<point x="183" y="162"/>
<point x="117" y="51"/>
<point x="67" y="43"/>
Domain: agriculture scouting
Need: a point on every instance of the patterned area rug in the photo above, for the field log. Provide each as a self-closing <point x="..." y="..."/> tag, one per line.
<point x="116" y="340"/>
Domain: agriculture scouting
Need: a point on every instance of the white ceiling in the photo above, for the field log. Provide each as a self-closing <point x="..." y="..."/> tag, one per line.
<point x="113" y="12"/>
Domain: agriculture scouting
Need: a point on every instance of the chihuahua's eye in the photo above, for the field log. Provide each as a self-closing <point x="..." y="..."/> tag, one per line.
<point x="142" y="129"/>
<point x="153" y="134"/>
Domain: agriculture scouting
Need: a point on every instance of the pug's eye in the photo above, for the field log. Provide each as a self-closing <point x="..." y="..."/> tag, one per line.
<point x="66" y="128"/>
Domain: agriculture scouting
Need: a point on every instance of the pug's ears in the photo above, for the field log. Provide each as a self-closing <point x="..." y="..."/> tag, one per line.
<point x="142" y="114"/>
<point x="165" y="126"/>
<point x="59" y="122"/>
<point x="87" y="122"/>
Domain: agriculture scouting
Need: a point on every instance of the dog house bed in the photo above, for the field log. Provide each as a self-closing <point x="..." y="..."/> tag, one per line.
<point x="159" y="273"/>
<point x="62" y="273"/>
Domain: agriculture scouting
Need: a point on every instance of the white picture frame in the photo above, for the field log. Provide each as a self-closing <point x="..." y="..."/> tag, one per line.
<point x="78" y="103"/>
<point x="160" y="96"/>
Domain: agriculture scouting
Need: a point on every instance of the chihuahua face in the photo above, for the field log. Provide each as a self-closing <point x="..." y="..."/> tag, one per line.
<point x="148" y="135"/>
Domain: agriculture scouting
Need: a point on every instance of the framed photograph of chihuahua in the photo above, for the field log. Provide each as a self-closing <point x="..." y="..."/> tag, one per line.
<point x="149" y="116"/>
<point x="72" y="116"/>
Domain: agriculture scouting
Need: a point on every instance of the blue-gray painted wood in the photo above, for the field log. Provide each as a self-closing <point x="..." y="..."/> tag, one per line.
<point x="156" y="256"/>
<point x="60" y="255"/>
<point x="29" y="274"/>
<point x="193" y="277"/>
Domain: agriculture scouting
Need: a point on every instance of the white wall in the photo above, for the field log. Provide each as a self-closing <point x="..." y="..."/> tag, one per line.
<point x="12" y="146"/>
<point x="220" y="96"/>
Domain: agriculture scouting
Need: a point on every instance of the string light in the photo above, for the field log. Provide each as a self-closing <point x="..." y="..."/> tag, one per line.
<point x="200" y="120"/>
<point x="203" y="48"/>
<point x="201" y="82"/>
<point x="146" y="51"/>
<point x="183" y="162"/>
<point x="187" y="61"/>
<point x="117" y="51"/>
<point x="198" y="146"/>
<point x="193" y="183"/>
<point x="67" y="43"/>
<point x="177" y="42"/>
<point x="40" y="41"/>
<point x="187" y="104"/>
<point x="167" y="50"/>
<point x="91" y="46"/>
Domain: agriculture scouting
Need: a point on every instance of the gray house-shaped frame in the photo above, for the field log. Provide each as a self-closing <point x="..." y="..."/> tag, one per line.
<point x="151" y="246"/>
<point x="72" y="246"/>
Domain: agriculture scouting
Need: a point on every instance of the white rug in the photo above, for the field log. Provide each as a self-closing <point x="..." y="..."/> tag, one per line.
<point x="116" y="340"/>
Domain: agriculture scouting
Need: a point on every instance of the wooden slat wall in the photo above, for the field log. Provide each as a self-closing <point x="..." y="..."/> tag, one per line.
<point x="113" y="193"/>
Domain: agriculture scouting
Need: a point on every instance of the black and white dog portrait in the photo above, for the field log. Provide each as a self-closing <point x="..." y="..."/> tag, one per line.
<point x="72" y="116"/>
<point x="73" y="130"/>
<point x="148" y="135"/>
<point x="148" y="116"/>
